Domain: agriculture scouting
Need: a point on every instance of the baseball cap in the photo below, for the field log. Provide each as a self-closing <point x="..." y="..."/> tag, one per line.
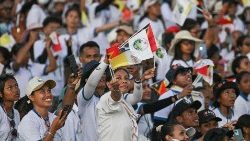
<point x="183" y="105"/>
<point x="128" y="29"/>
<point x="36" y="83"/>
<point x="207" y="115"/>
<point x="176" y="69"/>
<point x="218" y="134"/>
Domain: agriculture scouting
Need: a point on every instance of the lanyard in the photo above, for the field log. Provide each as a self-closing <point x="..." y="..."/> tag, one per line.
<point x="46" y="120"/>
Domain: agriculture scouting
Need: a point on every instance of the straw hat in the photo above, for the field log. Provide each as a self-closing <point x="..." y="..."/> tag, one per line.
<point x="184" y="34"/>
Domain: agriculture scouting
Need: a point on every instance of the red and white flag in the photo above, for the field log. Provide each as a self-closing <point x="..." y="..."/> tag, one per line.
<point x="56" y="44"/>
<point x="204" y="68"/>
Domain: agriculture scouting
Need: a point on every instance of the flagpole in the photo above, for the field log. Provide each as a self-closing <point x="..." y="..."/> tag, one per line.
<point x="154" y="61"/>
<point x="197" y="79"/>
<point x="111" y="71"/>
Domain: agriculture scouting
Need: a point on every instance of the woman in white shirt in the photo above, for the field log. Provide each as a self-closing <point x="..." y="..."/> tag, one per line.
<point x="9" y="117"/>
<point x="225" y="94"/>
<point x="116" y="119"/>
<point x="39" y="123"/>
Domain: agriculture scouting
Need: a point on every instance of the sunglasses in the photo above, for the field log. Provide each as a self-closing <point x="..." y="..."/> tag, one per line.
<point x="13" y="131"/>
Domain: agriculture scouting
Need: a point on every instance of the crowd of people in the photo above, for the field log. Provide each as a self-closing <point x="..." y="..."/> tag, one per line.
<point x="42" y="98"/>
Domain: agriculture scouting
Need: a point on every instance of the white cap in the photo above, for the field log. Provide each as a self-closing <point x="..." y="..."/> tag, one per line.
<point x="36" y="83"/>
<point x="148" y="3"/>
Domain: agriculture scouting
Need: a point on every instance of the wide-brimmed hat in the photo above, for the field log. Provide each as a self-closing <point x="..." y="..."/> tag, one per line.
<point x="184" y="35"/>
<point x="36" y="83"/>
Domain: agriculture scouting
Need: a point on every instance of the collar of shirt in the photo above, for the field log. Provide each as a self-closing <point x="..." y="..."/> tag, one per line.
<point x="244" y="96"/>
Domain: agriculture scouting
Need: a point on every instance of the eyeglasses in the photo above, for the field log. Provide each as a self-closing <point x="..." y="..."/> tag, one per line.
<point x="13" y="131"/>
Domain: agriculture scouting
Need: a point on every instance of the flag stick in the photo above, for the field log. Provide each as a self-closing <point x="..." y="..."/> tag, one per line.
<point x="197" y="79"/>
<point x="111" y="71"/>
<point x="154" y="61"/>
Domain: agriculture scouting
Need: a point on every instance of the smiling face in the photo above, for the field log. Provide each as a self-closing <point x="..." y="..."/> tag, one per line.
<point x="11" y="91"/>
<point x="42" y="98"/>
<point x="123" y="79"/>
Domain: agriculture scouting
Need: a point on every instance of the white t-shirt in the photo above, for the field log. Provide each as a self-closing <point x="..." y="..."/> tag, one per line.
<point x="242" y="105"/>
<point x="33" y="128"/>
<point x="24" y="74"/>
<point x="5" y="127"/>
<point x="72" y="129"/>
<point x="224" y="119"/>
<point x="35" y="16"/>
<point x="88" y="116"/>
<point x="116" y="120"/>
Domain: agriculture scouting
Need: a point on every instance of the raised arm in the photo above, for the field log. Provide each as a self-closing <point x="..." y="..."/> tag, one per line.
<point x="138" y="91"/>
<point x="70" y="95"/>
<point x="158" y="105"/>
<point x="22" y="53"/>
<point x="94" y="79"/>
<point x="52" y="60"/>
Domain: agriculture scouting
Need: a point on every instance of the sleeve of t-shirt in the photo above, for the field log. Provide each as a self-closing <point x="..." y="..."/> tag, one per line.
<point x="28" y="130"/>
<point x="136" y="96"/>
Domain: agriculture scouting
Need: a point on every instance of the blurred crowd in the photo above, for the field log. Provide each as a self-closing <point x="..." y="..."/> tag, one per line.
<point x="43" y="99"/>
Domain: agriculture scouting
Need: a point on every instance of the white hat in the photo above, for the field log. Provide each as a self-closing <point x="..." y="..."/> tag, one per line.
<point x="36" y="83"/>
<point x="128" y="29"/>
<point x="148" y="3"/>
<point x="184" y="34"/>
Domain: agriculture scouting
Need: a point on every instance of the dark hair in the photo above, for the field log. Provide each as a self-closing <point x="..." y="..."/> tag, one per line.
<point x="27" y="6"/>
<point x="109" y="76"/>
<point x="189" y="24"/>
<point x="51" y="19"/>
<point x="167" y="38"/>
<point x="15" y="49"/>
<point x="103" y="6"/>
<point x="241" y="39"/>
<point x="90" y="44"/>
<point x="6" y="54"/>
<point x="178" y="53"/>
<point x="3" y="79"/>
<point x="243" y="121"/>
<point x="23" y="106"/>
<point x="75" y="8"/>
<point x="218" y="88"/>
<point x="240" y="76"/>
<point x="211" y="51"/>
<point x="236" y="63"/>
<point x="167" y="129"/>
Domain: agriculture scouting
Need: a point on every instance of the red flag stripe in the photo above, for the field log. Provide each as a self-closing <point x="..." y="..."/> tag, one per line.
<point x="151" y="39"/>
